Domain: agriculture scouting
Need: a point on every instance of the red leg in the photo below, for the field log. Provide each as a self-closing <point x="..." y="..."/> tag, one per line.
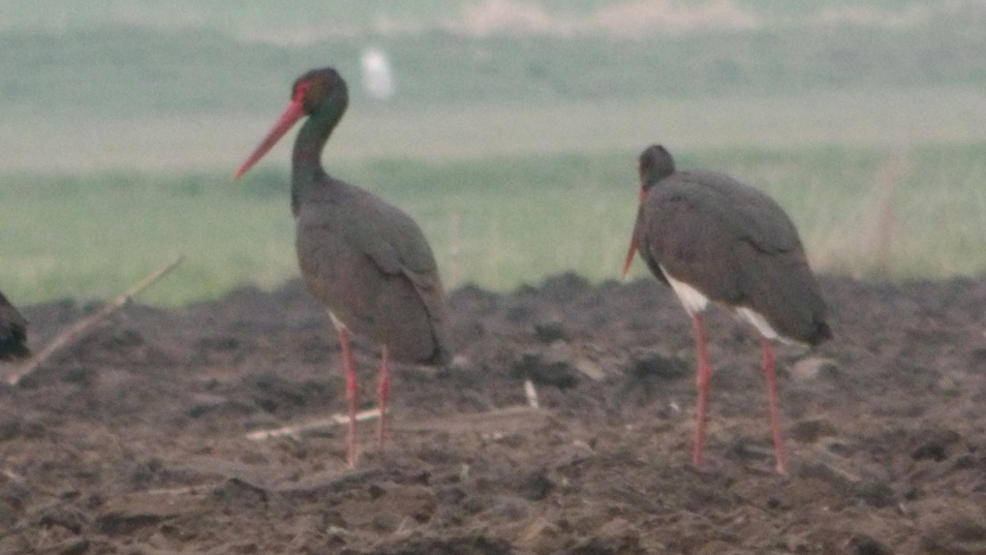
<point x="351" y="395"/>
<point x="702" y="382"/>
<point x="383" y="392"/>
<point x="775" y="413"/>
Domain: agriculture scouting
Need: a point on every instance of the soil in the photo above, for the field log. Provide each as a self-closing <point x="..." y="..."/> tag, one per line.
<point x="135" y="439"/>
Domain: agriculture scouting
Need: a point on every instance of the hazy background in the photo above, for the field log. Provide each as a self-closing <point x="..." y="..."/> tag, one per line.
<point x="511" y="134"/>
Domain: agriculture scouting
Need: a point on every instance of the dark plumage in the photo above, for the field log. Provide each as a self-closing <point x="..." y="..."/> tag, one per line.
<point x="13" y="331"/>
<point x="731" y="242"/>
<point x="366" y="260"/>
<point x="713" y="238"/>
<point x="370" y="264"/>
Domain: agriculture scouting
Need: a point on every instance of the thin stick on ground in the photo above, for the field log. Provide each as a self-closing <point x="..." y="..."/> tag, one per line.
<point x="296" y="429"/>
<point x="81" y="328"/>
<point x="494" y="421"/>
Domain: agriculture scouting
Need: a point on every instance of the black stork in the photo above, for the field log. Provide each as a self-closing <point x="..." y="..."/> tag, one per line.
<point x="711" y="237"/>
<point x="13" y="331"/>
<point x="364" y="259"/>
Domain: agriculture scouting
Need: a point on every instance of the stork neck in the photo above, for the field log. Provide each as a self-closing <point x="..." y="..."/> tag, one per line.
<point x="306" y="159"/>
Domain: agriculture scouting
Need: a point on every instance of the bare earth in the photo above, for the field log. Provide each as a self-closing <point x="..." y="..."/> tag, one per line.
<point x="135" y="441"/>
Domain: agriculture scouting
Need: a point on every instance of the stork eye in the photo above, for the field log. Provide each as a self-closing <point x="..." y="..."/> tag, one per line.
<point x="301" y="90"/>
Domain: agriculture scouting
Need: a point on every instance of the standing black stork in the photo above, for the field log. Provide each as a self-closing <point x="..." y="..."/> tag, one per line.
<point x="13" y="334"/>
<point x="365" y="260"/>
<point x="711" y="237"/>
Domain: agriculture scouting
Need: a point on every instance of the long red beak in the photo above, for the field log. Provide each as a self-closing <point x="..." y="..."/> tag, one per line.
<point x="293" y="112"/>
<point x="633" y="242"/>
<point x="630" y="252"/>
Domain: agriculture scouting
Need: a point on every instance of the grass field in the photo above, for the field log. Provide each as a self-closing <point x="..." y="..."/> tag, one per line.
<point x="496" y="222"/>
<point x="514" y="148"/>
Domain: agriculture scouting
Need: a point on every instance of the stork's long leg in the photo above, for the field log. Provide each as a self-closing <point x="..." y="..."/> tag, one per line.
<point x="775" y="413"/>
<point x="383" y="392"/>
<point x="352" y="391"/>
<point x="702" y="383"/>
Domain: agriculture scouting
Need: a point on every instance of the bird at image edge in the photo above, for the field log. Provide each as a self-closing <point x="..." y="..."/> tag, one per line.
<point x="13" y="332"/>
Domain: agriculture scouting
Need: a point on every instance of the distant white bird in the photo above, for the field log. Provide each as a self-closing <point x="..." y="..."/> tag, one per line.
<point x="378" y="79"/>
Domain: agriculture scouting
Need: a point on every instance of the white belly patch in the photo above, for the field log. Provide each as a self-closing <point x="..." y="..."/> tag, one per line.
<point x="692" y="299"/>
<point x="695" y="302"/>
<point x="337" y="323"/>
<point x="758" y="322"/>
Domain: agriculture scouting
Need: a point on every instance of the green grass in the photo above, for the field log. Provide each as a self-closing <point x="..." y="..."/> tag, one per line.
<point x="88" y="236"/>
<point x="494" y="222"/>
